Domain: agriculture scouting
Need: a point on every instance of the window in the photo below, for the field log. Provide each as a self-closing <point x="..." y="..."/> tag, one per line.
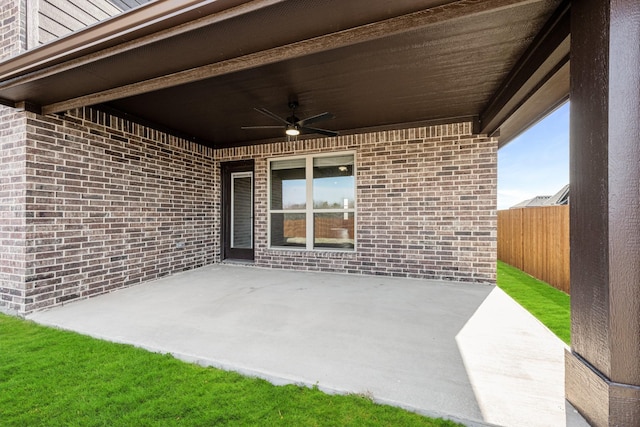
<point x="312" y="202"/>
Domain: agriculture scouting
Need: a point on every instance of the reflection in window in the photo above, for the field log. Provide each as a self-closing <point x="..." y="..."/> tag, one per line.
<point x="288" y="184"/>
<point x="288" y="230"/>
<point x="333" y="230"/>
<point x="315" y="196"/>
<point x="333" y="183"/>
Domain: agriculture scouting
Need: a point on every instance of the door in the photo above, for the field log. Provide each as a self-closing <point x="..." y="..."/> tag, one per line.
<point x="237" y="204"/>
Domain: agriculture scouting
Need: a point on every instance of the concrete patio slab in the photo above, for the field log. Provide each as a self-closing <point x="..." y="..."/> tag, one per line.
<point x="461" y="351"/>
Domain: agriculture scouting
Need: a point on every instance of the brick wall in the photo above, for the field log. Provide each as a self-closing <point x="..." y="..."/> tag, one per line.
<point x="111" y="204"/>
<point x="12" y="152"/>
<point x="12" y="213"/>
<point x="92" y="203"/>
<point x="426" y="204"/>
<point x="13" y="36"/>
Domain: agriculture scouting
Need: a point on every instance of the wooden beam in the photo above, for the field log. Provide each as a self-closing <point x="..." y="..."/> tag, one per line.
<point x="545" y="98"/>
<point x="548" y="51"/>
<point x="603" y="367"/>
<point x="7" y="102"/>
<point x="28" y="106"/>
<point x="364" y="33"/>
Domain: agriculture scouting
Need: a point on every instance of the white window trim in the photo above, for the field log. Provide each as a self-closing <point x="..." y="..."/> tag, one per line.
<point x="309" y="211"/>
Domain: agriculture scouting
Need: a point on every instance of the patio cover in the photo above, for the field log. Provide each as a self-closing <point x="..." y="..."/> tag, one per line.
<point x="198" y="68"/>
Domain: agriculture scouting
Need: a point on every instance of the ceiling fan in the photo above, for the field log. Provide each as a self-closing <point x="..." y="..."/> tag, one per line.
<point x="292" y="125"/>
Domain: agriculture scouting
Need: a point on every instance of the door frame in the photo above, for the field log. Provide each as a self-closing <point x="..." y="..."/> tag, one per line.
<point x="226" y="170"/>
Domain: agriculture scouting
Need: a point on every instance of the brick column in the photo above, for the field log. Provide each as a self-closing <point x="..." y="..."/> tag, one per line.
<point x="13" y="34"/>
<point x="603" y="367"/>
<point x="12" y="169"/>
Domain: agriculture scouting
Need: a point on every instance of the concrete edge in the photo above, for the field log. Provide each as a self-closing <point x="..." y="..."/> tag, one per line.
<point x="440" y="282"/>
<point x="10" y="312"/>
<point x="280" y="380"/>
<point x="275" y="379"/>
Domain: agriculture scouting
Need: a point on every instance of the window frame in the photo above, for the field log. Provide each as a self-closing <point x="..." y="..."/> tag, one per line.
<point x="309" y="209"/>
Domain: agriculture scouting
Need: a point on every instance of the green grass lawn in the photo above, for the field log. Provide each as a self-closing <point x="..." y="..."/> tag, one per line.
<point x="545" y="302"/>
<point x="50" y="377"/>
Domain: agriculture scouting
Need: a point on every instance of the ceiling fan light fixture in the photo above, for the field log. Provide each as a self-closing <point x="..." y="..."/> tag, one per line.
<point x="292" y="130"/>
<point x="294" y="126"/>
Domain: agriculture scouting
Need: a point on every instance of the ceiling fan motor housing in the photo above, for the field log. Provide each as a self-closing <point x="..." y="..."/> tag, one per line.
<point x="293" y="126"/>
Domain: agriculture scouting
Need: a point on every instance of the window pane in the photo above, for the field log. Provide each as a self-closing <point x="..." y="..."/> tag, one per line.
<point x="242" y="211"/>
<point x="333" y="230"/>
<point x="333" y="183"/>
<point x="288" y="187"/>
<point x="288" y="229"/>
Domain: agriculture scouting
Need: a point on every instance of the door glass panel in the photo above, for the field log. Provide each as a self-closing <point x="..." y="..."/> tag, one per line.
<point x="242" y="210"/>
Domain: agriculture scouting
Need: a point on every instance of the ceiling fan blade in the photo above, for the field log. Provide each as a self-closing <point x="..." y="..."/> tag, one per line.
<point x="307" y="129"/>
<point x="261" y="127"/>
<point x="316" y="118"/>
<point x="272" y="115"/>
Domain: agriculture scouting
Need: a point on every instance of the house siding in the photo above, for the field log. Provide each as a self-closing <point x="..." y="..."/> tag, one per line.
<point x="29" y="23"/>
<point x="57" y="18"/>
<point x="426" y="204"/>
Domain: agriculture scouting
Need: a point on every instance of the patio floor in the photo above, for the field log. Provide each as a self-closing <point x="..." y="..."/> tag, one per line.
<point x="462" y="351"/>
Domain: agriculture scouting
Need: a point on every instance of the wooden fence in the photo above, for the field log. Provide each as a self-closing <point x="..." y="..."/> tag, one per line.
<point x="536" y="240"/>
<point x="324" y="227"/>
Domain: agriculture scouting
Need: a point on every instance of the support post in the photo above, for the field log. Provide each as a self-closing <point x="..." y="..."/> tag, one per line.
<point x="603" y="367"/>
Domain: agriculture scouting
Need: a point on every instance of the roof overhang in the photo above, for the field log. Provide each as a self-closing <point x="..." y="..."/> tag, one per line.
<point x="198" y="68"/>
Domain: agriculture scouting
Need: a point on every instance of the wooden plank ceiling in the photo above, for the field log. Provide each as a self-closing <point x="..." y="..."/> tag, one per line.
<point x="199" y="68"/>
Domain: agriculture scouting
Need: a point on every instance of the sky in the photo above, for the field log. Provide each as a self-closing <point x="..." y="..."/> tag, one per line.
<point x="332" y="190"/>
<point x="537" y="162"/>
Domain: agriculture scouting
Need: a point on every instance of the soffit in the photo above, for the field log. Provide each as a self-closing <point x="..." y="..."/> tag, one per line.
<point x="448" y="69"/>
